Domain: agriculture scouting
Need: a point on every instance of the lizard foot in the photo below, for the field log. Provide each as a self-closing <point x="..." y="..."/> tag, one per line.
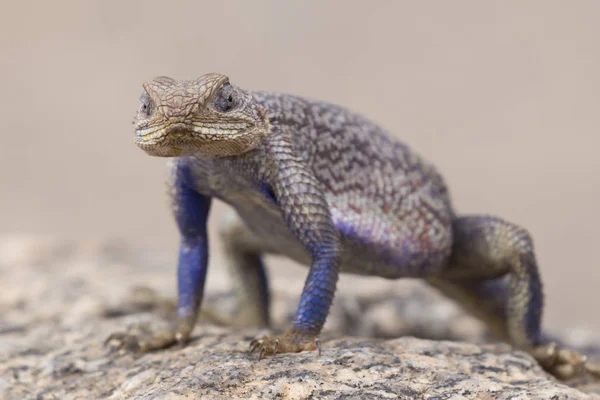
<point x="292" y="341"/>
<point x="142" y="339"/>
<point x="564" y="363"/>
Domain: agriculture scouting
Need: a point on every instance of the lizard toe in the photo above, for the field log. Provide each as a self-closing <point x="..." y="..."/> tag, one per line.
<point x="291" y="341"/>
<point x="141" y="339"/>
<point x="561" y="362"/>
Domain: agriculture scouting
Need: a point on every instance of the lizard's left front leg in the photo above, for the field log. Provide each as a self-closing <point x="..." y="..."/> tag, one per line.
<point x="306" y="213"/>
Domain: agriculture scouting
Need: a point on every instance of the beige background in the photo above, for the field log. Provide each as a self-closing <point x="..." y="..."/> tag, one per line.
<point x="502" y="96"/>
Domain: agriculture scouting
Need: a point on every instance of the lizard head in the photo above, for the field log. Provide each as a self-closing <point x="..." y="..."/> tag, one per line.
<point x="203" y="117"/>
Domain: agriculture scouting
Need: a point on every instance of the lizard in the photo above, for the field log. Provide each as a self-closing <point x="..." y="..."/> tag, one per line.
<point x="332" y="190"/>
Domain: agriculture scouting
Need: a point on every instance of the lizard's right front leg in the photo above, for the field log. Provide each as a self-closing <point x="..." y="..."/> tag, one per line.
<point x="191" y="213"/>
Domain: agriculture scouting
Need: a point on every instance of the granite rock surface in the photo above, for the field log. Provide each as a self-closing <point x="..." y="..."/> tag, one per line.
<point x="60" y="300"/>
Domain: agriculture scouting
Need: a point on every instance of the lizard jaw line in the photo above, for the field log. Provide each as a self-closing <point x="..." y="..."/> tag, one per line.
<point x="150" y="134"/>
<point x="153" y="132"/>
<point x="210" y="130"/>
<point x="162" y="136"/>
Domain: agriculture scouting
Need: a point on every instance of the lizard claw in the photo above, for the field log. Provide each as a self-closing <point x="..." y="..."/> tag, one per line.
<point x="259" y="344"/>
<point x="123" y="342"/>
<point x="142" y="339"/>
<point x="292" y="341"/>
<point x="254" y="345"/>
<point x="564" y="363"/>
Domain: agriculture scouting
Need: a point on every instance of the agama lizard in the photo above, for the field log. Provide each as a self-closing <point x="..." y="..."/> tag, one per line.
<point x="330" y="189"/>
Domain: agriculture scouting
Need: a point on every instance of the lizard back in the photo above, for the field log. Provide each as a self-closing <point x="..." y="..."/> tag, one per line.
<point x="383" y="197"/>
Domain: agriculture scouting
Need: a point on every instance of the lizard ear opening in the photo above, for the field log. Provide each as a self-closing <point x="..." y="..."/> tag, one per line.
<point x="226" y="99"/>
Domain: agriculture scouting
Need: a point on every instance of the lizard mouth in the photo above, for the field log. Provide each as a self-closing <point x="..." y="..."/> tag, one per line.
<point x="181" y="138"/>
<point x="159" y="134"/>
<point x="181" y="130"/>
<point x="152" y="135"/>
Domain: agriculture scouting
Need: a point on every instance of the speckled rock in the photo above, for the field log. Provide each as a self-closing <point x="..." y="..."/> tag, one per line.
<point x="54" y="316"/>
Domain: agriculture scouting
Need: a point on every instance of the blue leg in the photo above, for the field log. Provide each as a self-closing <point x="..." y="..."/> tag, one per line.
<point x="317" y="295"/>
<point x="191" y="211"/>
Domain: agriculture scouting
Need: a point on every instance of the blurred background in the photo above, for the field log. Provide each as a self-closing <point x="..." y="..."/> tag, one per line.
<point x="502" y="96"/>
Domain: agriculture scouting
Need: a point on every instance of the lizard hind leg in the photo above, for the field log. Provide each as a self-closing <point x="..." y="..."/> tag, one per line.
<point x="493" y="273"/>
<point x="242" y="251"/>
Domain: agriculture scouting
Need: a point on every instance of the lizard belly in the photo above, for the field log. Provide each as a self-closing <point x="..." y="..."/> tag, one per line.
<point x="263" y="218"/>
<point x="397" y="251"/>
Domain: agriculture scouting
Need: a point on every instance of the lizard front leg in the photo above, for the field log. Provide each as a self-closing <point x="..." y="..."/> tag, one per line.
<point x="191" y="211"/>
<point x="306" y="213"/>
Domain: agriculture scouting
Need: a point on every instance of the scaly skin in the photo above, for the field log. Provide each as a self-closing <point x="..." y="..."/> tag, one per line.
<point x="330" y="189"/>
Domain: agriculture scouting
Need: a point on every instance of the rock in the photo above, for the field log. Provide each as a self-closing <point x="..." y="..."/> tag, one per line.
<point x="52" y="328"/>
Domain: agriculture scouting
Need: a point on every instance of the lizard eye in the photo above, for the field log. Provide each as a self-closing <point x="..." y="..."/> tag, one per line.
<point x="146" y="107"/>
<point x="227" y="99"/>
